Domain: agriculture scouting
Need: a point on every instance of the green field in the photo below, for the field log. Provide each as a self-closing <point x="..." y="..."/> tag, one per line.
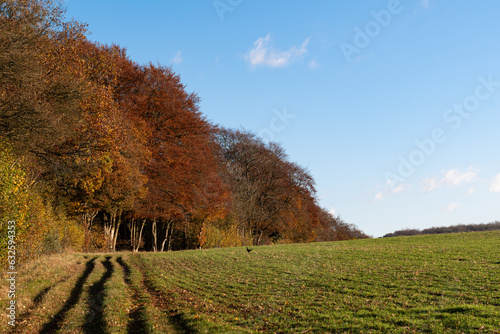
<point x="422" y="284"/>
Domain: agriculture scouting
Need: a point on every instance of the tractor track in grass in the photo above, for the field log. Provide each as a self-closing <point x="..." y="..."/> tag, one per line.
<point x="150" y="311"/>
<point x="26" y="315"/>
<point x="137" y="314"/>
<point x="80" y="293"/>
<point x="94" y="320"/>
<point x="160" y="299"/>
<point x="56" y="322"/>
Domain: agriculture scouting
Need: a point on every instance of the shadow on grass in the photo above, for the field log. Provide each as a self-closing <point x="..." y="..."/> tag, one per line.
<point x="458" y="309"/>
<point x="136" y="324"/>
<point x="181" y="324"/>
<point x="94" y="321"/>
<point x="36" y="301"/>
<point x="38" y="298"/>
<point x="176" y="318"/>
<point x="73" y="299"/>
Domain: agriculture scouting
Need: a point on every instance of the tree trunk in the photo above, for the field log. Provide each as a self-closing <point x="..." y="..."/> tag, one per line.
<point x="259" y="238"/>
<point x="139" y="240"/>
<point x="167" y="235"/>
<point x="135" y="234"/>
<point x="111" y="227"/>
<point x="155" y="240"/>
<point x="170" y="238"/>
<point x="87" y="219"/>
<point x="117" y="229"/>
<point x="132" y="227"/>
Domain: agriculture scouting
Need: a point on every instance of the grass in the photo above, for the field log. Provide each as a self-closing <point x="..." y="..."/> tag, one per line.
<point x="420" y="284"/>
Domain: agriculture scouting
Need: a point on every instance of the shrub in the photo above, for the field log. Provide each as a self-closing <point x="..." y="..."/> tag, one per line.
<point x="39" y="228"/>
<point x="214" y="236"/>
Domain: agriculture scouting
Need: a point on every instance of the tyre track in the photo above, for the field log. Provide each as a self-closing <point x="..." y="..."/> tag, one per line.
<point x="75" y="295"/>
<point x="160" y="300"/>
<point x="94" y="320"/>
<point x="138" y="314"/>
<point x="26" y="315"/>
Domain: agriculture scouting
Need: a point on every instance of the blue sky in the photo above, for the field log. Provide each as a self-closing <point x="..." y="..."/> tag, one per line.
<point x="393" y="106"/>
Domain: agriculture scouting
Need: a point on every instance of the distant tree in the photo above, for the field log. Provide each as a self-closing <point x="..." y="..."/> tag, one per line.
<point x="405" y="232"/>
<point x="494" y="226"/>
<point x="335" y="229"/>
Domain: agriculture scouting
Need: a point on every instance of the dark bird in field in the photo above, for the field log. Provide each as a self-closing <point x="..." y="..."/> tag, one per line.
<point x="249" y="250"/>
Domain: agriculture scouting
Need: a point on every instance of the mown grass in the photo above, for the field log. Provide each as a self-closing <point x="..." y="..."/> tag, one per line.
<point x="421" y="284"/>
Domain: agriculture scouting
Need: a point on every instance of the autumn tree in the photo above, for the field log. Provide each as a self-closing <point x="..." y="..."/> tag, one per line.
<point x="79" y="167"/>
<point x="181" y="171"/>
<point x="46" y="94"/>
<point x="124" y="185"/>
<point x="266" y="186"/>
<point x="38" y="109"/>
<point x="336" y="229"/>
<point x="37" y="106"/>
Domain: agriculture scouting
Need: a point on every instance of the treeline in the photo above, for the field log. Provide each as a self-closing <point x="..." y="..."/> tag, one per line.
<point x="99" y="151"/>
<point x="495" y="226"/>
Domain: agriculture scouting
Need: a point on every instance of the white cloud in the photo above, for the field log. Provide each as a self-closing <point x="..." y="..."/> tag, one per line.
<point x="333" y="212"/>
<point x="455" y="178"/>
<point x="429" y="184"/>
<point x="450" y="178"/>
<point x="263" y="53"/>
<point x="451" y="207"/>
<point x="400" y="188"/>
<point x="391" y="189"/>
<point x="177" y="58"/>
<point x="314" y="64"/>
<point x="495" y="184"/>
<point x="425" y="3"/>
<point x="471" y="190"/>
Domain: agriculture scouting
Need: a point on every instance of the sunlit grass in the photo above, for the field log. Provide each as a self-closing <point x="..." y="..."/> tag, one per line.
<point x="428" y="283"/>
<point x="422" y="284"/>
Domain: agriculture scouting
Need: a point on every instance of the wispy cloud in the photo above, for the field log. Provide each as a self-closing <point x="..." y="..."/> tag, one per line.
<point x="314" y="64"/>
<point x="495" y="184"/>
<point x="264" y="54"/>
<point x="450" y="178"/>
<point x="379" y="196"/>
<point x="400" y="188"/>
<point x="451" y="207"/>
<point x="429" y="184"/>
<point x="455" y="177"/>
<point x="425" y="4"/>
<point x="391" y="190"/>
<point x="177" y="58"/>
